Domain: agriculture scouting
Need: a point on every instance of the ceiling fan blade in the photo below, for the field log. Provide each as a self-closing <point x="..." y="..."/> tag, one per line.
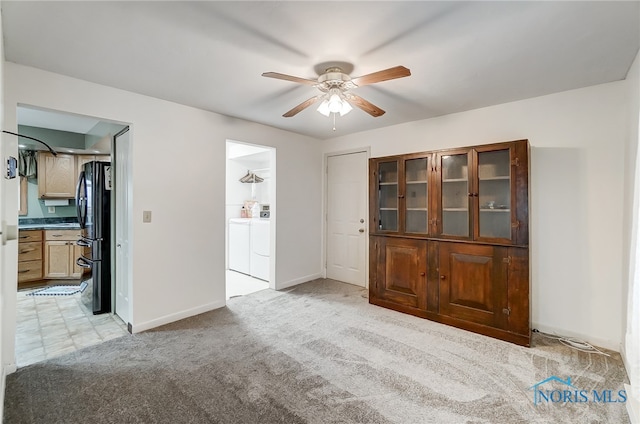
<point x="276" y="75"/>
<point x="302" y="106"/>
<point x="363" y="104"/>
<point x="387" y="74"/>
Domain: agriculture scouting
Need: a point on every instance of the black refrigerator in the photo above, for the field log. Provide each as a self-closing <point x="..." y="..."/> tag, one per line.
<point x="93" y="202"/>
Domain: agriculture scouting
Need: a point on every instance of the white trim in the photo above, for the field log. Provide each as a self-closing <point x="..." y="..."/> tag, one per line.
<point x="607" y="344"/>
<point x="305" y="279"/>
<point x="633" y="406"/>
<point x="167" y="319"/>
<point x="325" y="204"/>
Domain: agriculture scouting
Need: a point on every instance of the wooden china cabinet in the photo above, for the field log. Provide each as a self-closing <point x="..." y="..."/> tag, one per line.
<point x="449" y="237"/>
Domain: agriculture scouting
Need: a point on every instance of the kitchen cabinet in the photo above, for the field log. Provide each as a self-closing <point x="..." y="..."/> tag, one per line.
<point x="449" y="237"/>
<point x="61" y="253"/>
<point x="56" y="176"/>
<point x="82" y="159"/>
<point x="29" y="256"/>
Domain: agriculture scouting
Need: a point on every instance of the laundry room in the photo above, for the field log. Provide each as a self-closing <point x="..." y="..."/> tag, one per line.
<point x="249" y="191"/>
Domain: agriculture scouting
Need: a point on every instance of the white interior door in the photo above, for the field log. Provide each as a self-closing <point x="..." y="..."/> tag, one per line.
<point x="347" y="218"/>
<point x="122" y="224"/>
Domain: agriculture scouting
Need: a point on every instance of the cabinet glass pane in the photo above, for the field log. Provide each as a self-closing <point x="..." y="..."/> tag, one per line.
<point x="416" y="196"/>
<point x="388" y="196"/>
<point x="455" y="196"/>
<point x="494" y="193"/>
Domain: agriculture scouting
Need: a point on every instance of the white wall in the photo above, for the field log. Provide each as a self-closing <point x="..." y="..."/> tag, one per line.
<point x="577" y="172"/>
<point x="178" y="173"/>
<point x="3" y="368"/>
<point x="631" y="284"/>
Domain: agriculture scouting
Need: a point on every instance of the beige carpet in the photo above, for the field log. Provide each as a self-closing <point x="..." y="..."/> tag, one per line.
<point x="318" y="353"/>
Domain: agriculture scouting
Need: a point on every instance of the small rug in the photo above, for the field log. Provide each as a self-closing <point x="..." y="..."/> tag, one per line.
<point x="59" y="290"/>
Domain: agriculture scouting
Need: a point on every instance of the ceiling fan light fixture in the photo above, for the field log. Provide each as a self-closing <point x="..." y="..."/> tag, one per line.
<point x="324" y="108"/>
<point x="335" y="103"/>
<point x="346" y="108"/>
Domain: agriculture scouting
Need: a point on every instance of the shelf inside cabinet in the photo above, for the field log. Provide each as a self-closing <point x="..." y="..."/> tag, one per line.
<point x="455" y="180"/>
<point x="388" y="209"/>
<point x="455" y="209"/>
<point x="417" y="182"/>
<point x="494" y="210"/>
<point x="417" y="209"/>
<point x="388" y="184"/>
<point x="496" y="178"/>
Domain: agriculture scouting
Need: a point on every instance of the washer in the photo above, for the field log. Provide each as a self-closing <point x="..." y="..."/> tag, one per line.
<point x="240" y="244"/>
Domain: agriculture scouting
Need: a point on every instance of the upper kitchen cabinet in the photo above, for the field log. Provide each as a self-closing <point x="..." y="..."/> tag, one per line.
<point x="400" y="199"/>
<point x="482" y="193"/>
<point x="56" y="176"/>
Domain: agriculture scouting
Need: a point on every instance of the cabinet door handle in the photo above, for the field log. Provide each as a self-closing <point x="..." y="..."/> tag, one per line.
<point x="23" y="271"/>
<point x="56" y="235"/>
<point x="422" y="274"/>
<point x="401" y="196"/>
<point x="443" y="277"/>
<point x="27" y="250"/>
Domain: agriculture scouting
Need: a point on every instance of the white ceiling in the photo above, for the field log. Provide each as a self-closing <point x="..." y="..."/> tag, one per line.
<point x="55" y="120"/>
<point x="462" y="55"/>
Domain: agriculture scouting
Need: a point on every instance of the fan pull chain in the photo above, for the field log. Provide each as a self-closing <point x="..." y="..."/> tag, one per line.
<point x="334" y="121"/>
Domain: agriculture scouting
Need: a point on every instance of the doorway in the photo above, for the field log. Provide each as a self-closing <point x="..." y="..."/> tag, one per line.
<point x="250" y="216"/>
<point x="347" y="223"/>
<point x="49" y="326"/>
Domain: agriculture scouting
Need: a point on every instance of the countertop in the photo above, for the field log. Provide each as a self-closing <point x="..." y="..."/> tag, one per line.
<point x="69" y="226"/>
<point x="48" y="224"/>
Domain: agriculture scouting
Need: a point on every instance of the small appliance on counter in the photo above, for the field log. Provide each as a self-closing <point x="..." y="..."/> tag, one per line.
<point x="265" y="212"/>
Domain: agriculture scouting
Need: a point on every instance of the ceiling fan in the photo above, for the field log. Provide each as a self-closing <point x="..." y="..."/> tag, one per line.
<point x="335" y="85"/>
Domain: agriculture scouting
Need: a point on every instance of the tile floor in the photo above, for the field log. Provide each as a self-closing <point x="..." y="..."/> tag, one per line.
<point x="50" y="326"/>
<point x="239" y="284"/>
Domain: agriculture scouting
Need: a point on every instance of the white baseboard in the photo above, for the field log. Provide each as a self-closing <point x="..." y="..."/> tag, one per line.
<point x="595" y="341"/>
<point x="297" y="281"/>
<point x="168" y="319"/>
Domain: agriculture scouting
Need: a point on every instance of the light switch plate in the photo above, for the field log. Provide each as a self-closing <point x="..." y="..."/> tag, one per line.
<point x="146" y="216"/>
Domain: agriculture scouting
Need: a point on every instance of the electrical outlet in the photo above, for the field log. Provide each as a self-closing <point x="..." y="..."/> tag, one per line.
<point x="52" y="209"/>
<point x="146" y="216"/>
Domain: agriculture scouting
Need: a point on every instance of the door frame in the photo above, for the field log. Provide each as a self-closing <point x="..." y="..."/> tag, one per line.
<point x="114" y="223"/>
<point x="325" y="207"/>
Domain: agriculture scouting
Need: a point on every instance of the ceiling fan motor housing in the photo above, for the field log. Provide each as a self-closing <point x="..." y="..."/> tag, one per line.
<point x="334" y="78"/>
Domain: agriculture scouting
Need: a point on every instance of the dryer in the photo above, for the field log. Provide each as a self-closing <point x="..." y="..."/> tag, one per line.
<point x="260" y="248"/>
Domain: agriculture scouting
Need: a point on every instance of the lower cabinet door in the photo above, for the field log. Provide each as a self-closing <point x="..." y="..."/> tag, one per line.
<point x="57" y="263"/>
<point x="402" y="269"/>
<point x="473" y="283"/>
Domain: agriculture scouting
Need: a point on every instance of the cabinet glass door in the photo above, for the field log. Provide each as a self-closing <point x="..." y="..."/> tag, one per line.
<point x="416" y="195"/>
<point x="494" y="194"/>
<point x="388" y="196"/>
<point x="455" y="195"/>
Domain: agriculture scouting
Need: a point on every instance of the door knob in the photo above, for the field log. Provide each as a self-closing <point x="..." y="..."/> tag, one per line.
<point x="361" y="230"/>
